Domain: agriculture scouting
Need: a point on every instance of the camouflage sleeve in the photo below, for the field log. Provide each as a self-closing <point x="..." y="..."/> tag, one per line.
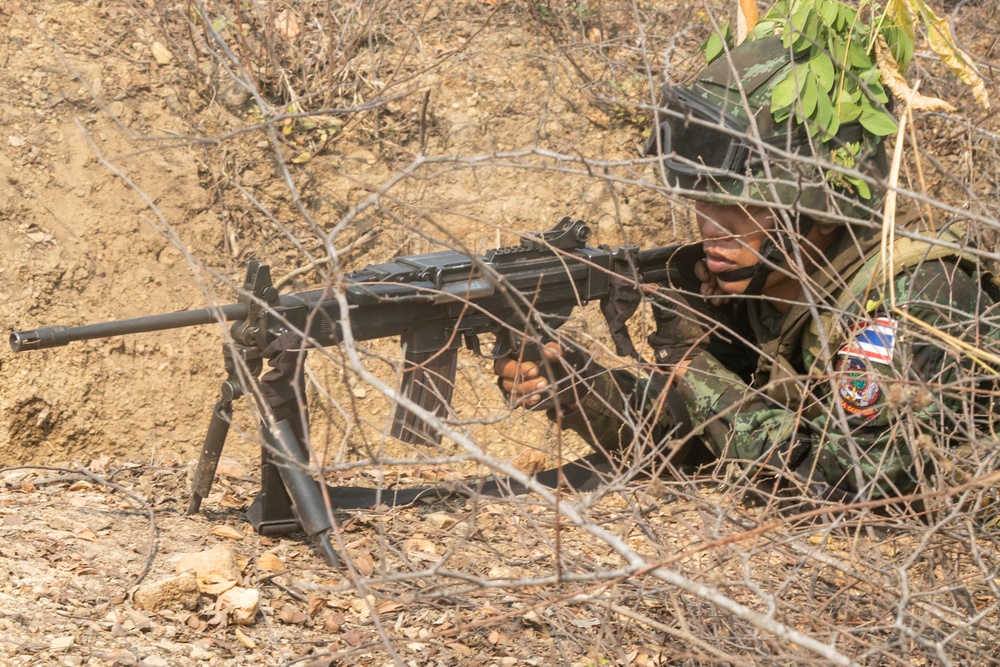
<point x="885" y="372"/>
<point x="732" y="418"/>
<point x="904" y="385"/>
<point x="620" y="409"/>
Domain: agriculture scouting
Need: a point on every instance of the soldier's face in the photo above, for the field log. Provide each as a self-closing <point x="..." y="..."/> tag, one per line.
<point x="732" y="236"/>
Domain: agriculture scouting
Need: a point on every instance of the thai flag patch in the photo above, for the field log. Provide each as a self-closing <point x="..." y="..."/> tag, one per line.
<point x="872" y="340"/>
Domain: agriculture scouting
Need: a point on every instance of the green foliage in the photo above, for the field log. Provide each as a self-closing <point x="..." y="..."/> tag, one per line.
<point x="550" y="11"/>
<point x="847" y="157"/>
<point x="836" y="79"/>
<point x="717" y="44"/>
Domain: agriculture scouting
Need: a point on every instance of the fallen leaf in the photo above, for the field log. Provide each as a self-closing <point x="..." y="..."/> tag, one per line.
<point x="416" y="545"/>
<point x="85" y="534"/>
<point x="245" y="640"/>
<point x="388" y="607"/>
<point x="292" y="616"/>
<point x="226" y="531"/>
<point x="270" y="562"/>
<point x="161" y="53"/>
<point x="287" y="25"/>
<point x="362" y="608"/>
<point x="441" y="520"/>
<point x="231" y="467"/>
<point x="460" y="648"/>
<point x="353" y="637"/>
<point x="316" y="603"/>
<point x="364" y="563"/>
<point x="215" y="584"/>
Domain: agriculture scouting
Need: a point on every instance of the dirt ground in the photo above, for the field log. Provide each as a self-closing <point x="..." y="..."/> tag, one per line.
<point x="139" y="177"/>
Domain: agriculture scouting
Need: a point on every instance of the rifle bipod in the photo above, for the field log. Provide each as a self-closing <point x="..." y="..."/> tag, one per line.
<point x="289" y="498"/>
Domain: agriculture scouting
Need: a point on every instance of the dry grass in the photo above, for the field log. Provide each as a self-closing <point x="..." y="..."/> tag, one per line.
<point x="333" y="129"/>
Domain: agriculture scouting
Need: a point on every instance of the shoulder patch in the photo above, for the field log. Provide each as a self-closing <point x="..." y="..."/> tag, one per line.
<point x="874" y="341"/>
<point x="859" y="392"/>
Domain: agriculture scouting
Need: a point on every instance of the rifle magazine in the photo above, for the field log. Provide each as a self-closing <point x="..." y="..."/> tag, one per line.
<point x="429" y="382"/>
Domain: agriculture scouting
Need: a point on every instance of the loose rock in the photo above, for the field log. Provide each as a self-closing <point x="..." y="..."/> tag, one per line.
<point x="174" y="593"/>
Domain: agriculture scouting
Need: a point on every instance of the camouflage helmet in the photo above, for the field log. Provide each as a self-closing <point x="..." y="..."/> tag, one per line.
<point x="720" y="147"/>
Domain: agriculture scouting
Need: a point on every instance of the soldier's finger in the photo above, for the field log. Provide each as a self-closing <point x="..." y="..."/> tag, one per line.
<point x="552" y="350"/>
<point x="508" y="367"/>
<point x="701" y="271"/>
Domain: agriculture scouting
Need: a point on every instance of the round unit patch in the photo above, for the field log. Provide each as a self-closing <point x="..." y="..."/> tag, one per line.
<point x="858" y="389"/>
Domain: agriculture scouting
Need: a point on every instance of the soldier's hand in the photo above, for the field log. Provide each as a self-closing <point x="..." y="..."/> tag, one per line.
<point x="684" y="316"/>
<point x="524" y="382"/>
<point x="709" y="284"/>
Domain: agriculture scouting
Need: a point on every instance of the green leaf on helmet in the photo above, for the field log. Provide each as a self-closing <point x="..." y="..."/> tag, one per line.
<point x="858" y="57"/>
<point x="837" y="48"/>
<point x="860" y="186"/>
<point x="849" y="111"/>
<point x="830" y="12"/>
<point x="804" y="28"/>
<point x="848" y="16"/>
<point x="878" y="122"/>
<point x="878" y="90"/>
<point x="800" y="17"/>
<point x="716" y="45"/>
<point x="822" y="67"/>
<point x="809" y="95"/>
<point x="827" y="116"/>
<point x="901" y="46"/>
<point x="785" y="92"/>
<point x="851" y="92"/>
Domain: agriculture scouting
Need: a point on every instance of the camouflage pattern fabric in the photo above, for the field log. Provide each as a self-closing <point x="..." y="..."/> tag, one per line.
<point x="843" y="389"/>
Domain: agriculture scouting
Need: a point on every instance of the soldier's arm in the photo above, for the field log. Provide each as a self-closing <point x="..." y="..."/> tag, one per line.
<point x="886" y="419"/>
<point x="856" y="442"/>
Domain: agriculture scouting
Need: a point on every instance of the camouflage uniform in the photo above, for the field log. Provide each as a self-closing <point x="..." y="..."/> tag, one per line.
<point x="839" y="389"/>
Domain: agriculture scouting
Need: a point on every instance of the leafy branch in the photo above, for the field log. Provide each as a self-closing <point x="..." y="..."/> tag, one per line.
<point x="846" y="58"/>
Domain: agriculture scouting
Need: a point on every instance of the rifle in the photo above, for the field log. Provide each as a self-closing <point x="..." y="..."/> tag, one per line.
<point x="434" y="302"/>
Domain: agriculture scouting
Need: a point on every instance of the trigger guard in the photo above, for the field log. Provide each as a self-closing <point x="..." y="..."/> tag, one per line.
<point x="501" y="347"/>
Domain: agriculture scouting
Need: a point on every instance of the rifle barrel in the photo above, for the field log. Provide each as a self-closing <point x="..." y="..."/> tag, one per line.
<point x="46" y="337"/>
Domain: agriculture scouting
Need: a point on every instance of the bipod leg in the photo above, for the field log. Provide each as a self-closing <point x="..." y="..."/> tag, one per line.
<point x="307" y="501"/>
<point x="215" y="438"/>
